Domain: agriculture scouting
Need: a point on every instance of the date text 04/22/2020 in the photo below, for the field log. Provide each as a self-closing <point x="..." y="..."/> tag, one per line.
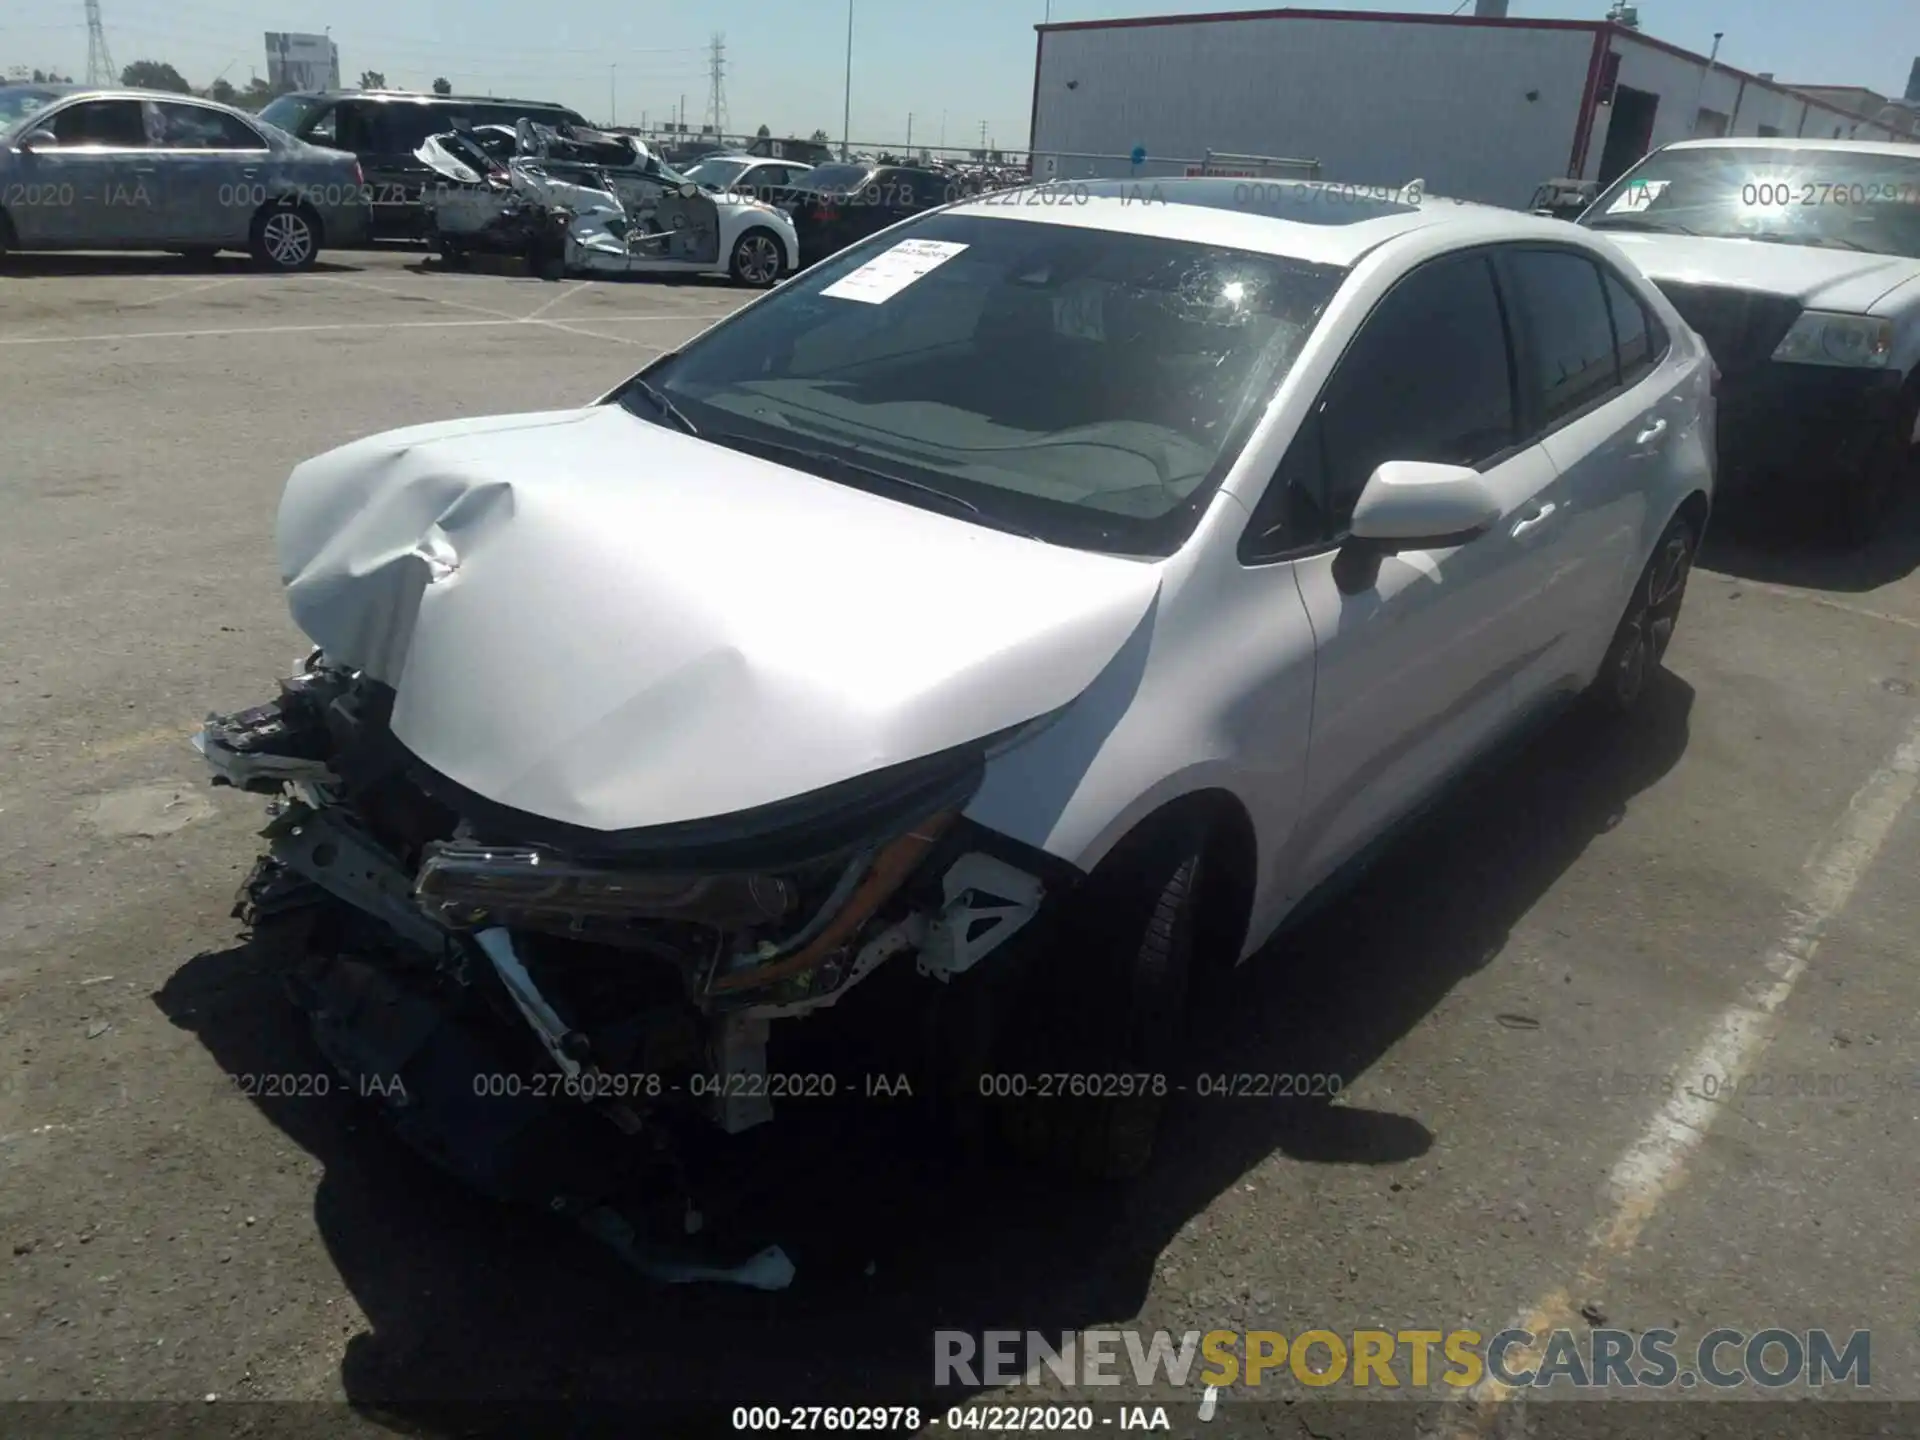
<point x="649" y="1085"/>
<point x="909" y="1419"/>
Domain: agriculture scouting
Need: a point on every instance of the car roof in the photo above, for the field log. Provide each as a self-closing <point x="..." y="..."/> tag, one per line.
<point x="429" y="97"/>
<point x="1321" y="221"/>
<point x="124" y="92"/>
<point x="1780" y="142"/>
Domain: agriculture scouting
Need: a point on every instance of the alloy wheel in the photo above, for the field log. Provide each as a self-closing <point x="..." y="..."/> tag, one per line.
<point x="756" y="260"/>
<point x="1650" y="624"/>
<point x="287" y="239"/>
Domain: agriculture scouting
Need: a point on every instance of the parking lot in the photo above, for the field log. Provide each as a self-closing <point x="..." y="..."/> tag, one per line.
<point x="1520" y="1003"/>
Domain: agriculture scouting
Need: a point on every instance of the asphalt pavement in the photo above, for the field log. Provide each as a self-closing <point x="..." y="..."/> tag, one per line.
<point x="1625" y="1036"/>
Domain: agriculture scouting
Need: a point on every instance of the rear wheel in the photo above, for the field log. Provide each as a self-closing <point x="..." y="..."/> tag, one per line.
<point x="1640" y="642"/>
<point x="285" y="237"/>
<point x="1096" y="1051"/>
<point x="756" y="259"/>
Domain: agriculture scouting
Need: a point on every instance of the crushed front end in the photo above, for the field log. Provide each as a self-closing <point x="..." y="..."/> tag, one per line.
<point x="546" y="1011"/>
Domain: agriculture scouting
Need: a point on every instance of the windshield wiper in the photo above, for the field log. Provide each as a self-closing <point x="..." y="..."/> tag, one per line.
<point x="665" y="406"/>
<point x="1633" y="222"/>
<point x="835" y="467"/>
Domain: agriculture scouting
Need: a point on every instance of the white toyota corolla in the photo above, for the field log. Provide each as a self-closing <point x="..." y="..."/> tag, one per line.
<point x="1040" y="600"/>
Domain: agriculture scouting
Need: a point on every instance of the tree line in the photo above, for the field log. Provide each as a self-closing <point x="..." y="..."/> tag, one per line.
<point x="256" y="93"/>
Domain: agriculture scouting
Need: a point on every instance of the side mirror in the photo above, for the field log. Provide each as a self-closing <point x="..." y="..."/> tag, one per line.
<point x="34" y="139"/>
<point x="688" y="191"/>
<point x="1414" y="505"/>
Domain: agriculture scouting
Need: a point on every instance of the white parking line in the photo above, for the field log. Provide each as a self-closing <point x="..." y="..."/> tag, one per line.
<point x="566" y="294"/>
<point x="1656" y="1164"/>
<point x="503" y="324"/>
<point x="436" y="299"/>
<point x="199" y="289"/>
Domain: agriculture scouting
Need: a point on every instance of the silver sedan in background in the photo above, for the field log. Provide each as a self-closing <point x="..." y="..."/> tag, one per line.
<point x="99" y="169"/>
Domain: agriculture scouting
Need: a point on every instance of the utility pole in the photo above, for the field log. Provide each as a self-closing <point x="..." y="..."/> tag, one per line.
<point x="100" y="69"/>
<point x="683" y="114"/>
<point x="846" y="105"/>
<point x="909" y="133"/>
<point x="1701" y="98"/>
<point x="717" y="85"/>
<point x="613" y="108"/>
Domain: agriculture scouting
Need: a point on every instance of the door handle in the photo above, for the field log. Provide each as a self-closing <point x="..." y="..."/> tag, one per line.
<point x="1534" y="521"/>
<point x="1652" y="433"/>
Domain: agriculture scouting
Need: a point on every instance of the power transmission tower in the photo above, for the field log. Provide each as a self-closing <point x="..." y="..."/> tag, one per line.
<point x="100" y="66"/>
<point x="717" y="85"/>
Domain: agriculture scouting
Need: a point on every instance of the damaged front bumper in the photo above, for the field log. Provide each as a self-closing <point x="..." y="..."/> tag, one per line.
<point x="557" y="1012"/>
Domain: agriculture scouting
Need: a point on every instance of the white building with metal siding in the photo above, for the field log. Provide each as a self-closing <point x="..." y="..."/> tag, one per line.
<point x="1478" y="108"/>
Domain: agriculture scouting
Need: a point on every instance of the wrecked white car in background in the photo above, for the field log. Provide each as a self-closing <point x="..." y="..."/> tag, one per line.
<point x="583" y="202"/>
<point x="1025" y="610"/>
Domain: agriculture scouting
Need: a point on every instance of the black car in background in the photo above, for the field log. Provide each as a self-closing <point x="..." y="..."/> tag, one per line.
<point x="834" y="206"/>
<point x="384" y="127"/>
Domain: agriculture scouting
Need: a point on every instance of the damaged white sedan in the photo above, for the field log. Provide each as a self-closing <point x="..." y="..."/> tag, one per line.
<point x="1047" y="599"/>
<point x="584" y="202"/>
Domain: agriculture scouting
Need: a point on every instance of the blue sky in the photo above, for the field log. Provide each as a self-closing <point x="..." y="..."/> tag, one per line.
<point x="950" y="65"/>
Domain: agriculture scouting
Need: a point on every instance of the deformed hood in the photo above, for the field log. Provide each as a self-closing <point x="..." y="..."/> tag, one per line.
<point x="593" y="619"/>
<point x="1817" y="276"/>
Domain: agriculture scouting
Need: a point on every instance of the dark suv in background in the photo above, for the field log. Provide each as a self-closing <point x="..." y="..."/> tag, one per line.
<point x="384" y="127"/>
<point x="834" y="205"/>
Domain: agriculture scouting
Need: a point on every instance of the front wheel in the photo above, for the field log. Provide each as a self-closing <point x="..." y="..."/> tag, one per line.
<point x="756" y="259"/>
<point x="1641" y="639"/>
<point x="1103" y="1037"/>
<point x="285" y="237"/>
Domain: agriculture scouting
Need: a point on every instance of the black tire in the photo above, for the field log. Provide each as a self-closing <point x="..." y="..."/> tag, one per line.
<point x="757" y="260"/>
<point x="1870" y="491"/>
<point x="1646" y="629"/>
<point x="285" y="238"/>
<point x="1107" y="1013"/>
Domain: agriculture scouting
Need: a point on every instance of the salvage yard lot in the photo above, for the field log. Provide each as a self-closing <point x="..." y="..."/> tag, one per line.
<point x="1501" y="1000"/>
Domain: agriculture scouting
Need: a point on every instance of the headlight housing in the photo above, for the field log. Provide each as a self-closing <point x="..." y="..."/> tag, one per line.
<point x="1822" y="337"/>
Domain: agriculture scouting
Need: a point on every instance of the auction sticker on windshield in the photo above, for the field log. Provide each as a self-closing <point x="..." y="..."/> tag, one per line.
<point x="1637" y="196"/>
<point x="887" y="274"/>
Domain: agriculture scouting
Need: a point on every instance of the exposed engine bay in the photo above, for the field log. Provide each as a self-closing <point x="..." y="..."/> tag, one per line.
<point x="545" y="1010"/>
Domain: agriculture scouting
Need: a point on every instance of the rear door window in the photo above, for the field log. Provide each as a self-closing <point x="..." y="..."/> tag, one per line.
<point x="1573" y="365"/>
<point x="178" y="126"/>
<point x="1639" y="336"/>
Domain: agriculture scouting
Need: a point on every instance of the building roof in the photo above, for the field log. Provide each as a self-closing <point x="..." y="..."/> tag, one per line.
<point x="1596" y="28"/>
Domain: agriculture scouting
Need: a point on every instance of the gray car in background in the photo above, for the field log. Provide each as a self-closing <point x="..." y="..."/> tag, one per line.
<point x="113" y="169"/>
